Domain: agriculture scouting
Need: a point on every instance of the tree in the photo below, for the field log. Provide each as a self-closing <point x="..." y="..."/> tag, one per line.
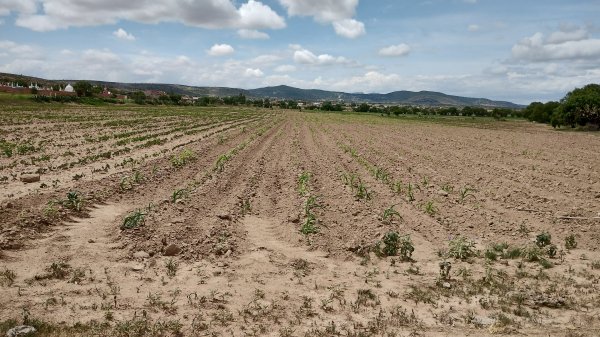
<point x="579" y="107"/>
<point x="139" y="97"/>
<point x="83" y="88"/>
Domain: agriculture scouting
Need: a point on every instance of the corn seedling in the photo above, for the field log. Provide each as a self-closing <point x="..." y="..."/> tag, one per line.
<point x="465" y="192"/>
<point x="461" y="248"/>
<point x="179" y="194"/>
<point x="410" y="192"/>
<point x="138" y="177"/>
<point x="389" y="214"/>
<point x="220" y="163"/>
<point x="183" y="158"/>
<point x="303" y="183"/>
<point x="133" y="220"/>
<point x="382" y="175"/>
<point x="430" y="208"/>
<point x="362" y="193"/>
<point x="398" y="187"/>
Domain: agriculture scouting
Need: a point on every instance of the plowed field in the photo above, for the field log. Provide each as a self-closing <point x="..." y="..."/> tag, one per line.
<point x="238" y="221"/>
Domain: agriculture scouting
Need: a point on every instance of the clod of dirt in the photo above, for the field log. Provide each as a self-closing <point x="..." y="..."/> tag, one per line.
<point x="30" y="178"/>
<point x="141" y="255"/>
<point x="225" y="216"/>
<point x="20" y="330"/>
<point x="137" y="267"/>
<point x="172" y="250"/>
<point x="442" y="193"/>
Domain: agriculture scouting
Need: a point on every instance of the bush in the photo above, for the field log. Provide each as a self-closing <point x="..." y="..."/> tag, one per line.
<point x="570" y="242"/>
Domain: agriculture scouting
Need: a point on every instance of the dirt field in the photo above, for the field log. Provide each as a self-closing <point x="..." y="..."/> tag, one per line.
<point x="242" y="222"/>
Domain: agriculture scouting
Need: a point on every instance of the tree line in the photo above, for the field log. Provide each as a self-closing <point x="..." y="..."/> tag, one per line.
<point x="579" y="107"/>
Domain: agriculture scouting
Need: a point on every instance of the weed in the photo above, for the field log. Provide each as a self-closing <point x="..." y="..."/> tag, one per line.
<point x="74" y="201"/>
<point x="445" y="267"/>
<point x="390" y="242"/>
<point x="461" y="248"/>
<point x="570" y="242"/>
<point x="7" y="277"/>
<point x="543" y="239"/>
<point x="406" y="248"/>
<point x="133" y="220"/>
<point x="172" y="267"/>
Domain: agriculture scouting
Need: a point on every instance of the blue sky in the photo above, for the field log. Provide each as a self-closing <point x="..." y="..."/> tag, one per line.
<point x="511" y="50"/>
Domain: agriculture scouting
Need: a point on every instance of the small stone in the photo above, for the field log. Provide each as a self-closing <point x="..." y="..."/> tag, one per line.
<point x="20" y="330"/>
<point x="141" y="255"/>
<point x="178" y="220"/>
<point x="137" y="267"/>
<point x="172" y="250"/>
<point x="227" y="253"/>
<point x="447" y="285"/>
<point x="30" y="178"/>
<point x="483" y="321"/>
<point x="442" y="193"/>
<point x="224" y="216"/>
<point x="91" y="241"/>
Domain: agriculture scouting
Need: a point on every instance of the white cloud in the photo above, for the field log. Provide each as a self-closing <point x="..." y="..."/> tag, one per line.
<point x="123" y="35"/>
<point x="213" y="14"/>
<point x="304" y="56"/>
<point x="396" y="50"/>
<point x="252" y="34"/>
<point x="21" y="6"/>
<point x="99" y="56"/>
<point x="256" y="15"/>
<point x="349" y="28"/>
<point x="221" y="50"/>
<point x="286" y="68"/>
<point x="565" y="35"/>
<point x="562" y="45"/>
<point x="254" y="72"/>
<point x="339" y="13"/>
<point x="473" y="28"/>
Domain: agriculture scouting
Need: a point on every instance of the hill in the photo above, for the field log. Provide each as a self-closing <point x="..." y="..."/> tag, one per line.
<point x="423" y="98"/>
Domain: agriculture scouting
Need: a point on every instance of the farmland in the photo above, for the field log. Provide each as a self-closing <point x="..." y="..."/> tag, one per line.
<point x="243" y="221"/>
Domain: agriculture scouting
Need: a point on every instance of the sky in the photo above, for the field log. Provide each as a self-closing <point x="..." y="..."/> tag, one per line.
<point x="520" y="51"/>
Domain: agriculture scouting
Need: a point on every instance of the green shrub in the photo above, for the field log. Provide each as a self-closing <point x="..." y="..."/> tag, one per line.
<point x="543" y="239"/>
<point x="461" y="248"/>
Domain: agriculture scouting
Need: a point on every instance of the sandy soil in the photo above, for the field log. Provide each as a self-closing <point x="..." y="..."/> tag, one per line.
<point x="228" y="257"/>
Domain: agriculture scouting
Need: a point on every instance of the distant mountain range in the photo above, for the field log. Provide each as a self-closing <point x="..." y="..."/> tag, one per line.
<point x="422" y="98"/>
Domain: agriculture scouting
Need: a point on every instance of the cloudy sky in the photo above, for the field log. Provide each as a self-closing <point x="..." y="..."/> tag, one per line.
<point x="512" y="50"/>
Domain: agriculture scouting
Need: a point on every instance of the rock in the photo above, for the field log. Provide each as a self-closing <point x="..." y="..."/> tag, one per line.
<point x="227" y="253"/>
<point x="447" y="285"/>
<point x="442" y="193"/>
<point x="20" y="330"/>
<point x="91" y="241"/>
<point x="224" y="216"/>
<point x="483" y="321"/>
<point x="141" y="255"/>
<point x="30" y="178"/>
<point x="137" y="267"/>
<point x="172" y="250"/>
<point x="178" y="220"/>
